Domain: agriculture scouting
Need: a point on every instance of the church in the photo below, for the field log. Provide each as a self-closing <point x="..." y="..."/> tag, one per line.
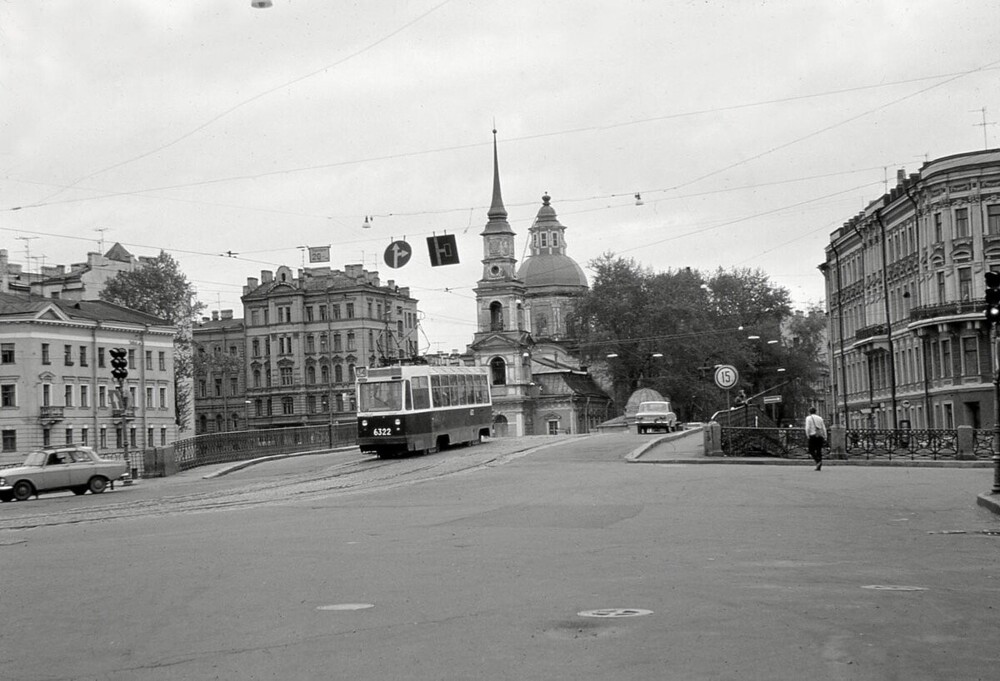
<point x="538" y="384"/>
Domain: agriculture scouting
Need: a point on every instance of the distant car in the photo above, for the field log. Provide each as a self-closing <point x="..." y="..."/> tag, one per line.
<point x="655" y="416"/>
<point x="77" y="469"/>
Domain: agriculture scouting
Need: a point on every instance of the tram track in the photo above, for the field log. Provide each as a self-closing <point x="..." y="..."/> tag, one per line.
<point x="356" y="475"/>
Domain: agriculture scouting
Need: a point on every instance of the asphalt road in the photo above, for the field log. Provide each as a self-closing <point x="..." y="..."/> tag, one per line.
<point x="477" y="564"/>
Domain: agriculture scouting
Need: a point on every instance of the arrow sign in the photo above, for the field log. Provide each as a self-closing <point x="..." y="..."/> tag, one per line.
<point x="398" y="254"/>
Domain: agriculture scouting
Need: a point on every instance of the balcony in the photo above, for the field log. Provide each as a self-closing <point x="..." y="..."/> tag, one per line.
<point x="127" y="412"/>
<point x="51" y="414"/>
<point x="954" y="311"/>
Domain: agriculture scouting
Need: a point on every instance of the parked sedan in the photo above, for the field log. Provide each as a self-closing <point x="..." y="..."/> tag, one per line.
<point x="77" y="469"/>
<point x="655" y="416"/>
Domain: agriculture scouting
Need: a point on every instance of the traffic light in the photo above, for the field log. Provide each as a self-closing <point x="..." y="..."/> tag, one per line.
<point x="119" y="363"/>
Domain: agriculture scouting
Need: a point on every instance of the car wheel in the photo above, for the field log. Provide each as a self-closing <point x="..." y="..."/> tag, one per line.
<point x="80" y="489"/>
<point x="23" y="490"/>
<point x="97" y="484"/>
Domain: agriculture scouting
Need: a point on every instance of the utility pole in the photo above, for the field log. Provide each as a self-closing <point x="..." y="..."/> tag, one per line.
<point x="27" y="247"/>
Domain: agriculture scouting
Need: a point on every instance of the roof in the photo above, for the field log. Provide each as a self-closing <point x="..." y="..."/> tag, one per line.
<point x="553" y="269"/>
<point x="93" y="310"/>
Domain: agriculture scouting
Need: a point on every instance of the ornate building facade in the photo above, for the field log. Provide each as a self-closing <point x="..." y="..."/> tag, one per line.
<point x="909" y="345"/>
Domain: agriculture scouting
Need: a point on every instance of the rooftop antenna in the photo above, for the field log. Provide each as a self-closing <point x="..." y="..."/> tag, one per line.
<point x="27" y="247"/>
<point x="986" y="144"/>
<point x="100" y="241"/>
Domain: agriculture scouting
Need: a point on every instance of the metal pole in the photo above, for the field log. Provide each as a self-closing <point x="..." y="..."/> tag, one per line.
<point x="996" y="412"/>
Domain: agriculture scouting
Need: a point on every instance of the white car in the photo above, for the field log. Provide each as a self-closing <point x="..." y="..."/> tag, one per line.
<point x="655" y="416"/>
<point x="77" y="469"/>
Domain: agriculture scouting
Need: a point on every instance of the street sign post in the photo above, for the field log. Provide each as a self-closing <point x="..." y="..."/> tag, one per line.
<point x="398" y="254"/>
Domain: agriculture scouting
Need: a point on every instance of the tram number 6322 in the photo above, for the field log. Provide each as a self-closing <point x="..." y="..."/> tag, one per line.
<point x="381" y="431"/>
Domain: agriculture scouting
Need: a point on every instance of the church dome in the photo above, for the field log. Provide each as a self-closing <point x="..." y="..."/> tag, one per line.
<point x="548" y="264"/>
<point x="553" y="269"/>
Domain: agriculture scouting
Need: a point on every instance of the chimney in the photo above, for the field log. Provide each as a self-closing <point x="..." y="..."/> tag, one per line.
<point x="227" y="314"/>
<point x="901" y="176"/>
<point x="266" y="276"/>
<point x="215" y="315"/>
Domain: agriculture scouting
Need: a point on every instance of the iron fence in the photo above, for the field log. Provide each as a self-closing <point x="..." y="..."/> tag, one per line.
<point x="868" y="444"/>
<point x="241" y="445"/>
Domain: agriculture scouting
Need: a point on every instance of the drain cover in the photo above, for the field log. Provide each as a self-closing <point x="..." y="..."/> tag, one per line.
<point x="615" y="612"/>
<point x="894" y="587"/>
<point x="347" y="606"/>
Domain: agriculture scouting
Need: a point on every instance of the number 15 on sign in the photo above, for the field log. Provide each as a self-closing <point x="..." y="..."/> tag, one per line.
<point x="726" y="376"/>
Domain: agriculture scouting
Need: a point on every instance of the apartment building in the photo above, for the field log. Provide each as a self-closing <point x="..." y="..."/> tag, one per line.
<point x="55" y="377"/>
<point x="909" y="345"/>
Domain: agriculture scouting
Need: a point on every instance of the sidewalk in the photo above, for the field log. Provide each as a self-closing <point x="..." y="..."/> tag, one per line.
<point x="688" y="447"/>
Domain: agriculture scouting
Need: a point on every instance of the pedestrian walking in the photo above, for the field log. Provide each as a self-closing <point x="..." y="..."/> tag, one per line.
<point x="816" y="434"/>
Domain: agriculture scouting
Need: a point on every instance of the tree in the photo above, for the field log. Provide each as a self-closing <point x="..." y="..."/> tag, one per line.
<point x="160" y="288"/>
<point x="668" y="331"/>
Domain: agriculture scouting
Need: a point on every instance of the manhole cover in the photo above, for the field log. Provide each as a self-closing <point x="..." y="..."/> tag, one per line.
<point x="615" y="612"/>
<point x="893" y="587"/>
<point x="347" y="606"/>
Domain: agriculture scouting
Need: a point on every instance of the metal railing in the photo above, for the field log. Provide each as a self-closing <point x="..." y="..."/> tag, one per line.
<point x="241" y="445"/>
<point x="867" y="444"/>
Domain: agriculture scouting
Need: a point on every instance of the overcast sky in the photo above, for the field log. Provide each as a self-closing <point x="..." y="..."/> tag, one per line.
<point x="751" y="129"/>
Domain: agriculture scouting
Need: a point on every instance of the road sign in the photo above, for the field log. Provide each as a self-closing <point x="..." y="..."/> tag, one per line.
<point x="443" y="250"/>
<point x="726" y="376"/>
<point x="398" y="254"/>
<point x="772" y="399"/>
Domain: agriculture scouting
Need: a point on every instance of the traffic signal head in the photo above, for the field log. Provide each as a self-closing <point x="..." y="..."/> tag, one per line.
<point x="119" y="363"/>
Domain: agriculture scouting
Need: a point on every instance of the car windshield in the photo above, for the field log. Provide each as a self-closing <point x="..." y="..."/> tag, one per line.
<point x="381" y="396"/>
<point x="656" y="407"/>
<point x="36" y="458"/>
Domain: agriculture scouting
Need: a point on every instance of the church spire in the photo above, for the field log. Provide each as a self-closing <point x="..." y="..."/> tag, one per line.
<point x="497" y="210"/>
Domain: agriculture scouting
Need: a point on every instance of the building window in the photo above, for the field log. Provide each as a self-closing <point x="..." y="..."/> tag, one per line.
<point x="102" y="396"/>
<point x="961" y="222"/>
<point x="993" y="219"/>
<point x="545" y="239"/>
<point x="254" y="317"/>
<point x="287" y="405"/>
<point x="256" y="378"/>
<point x="218" y="387"/>
<point x="149" y="360"/>
<point x="335" y="310"/>
<point x="132" y="438"/>
<point x="350" y="341"/>
<point x="149" y="397"/>
<point x="83" y="355"/>
<point x="46" y="437"/>
<point x="285" y="374"/>
<point x="68" y="396"/>
<point x="163" y="436"/>
<point x="498" y="371"/>
<point x="163" y="361"/>
<point x="338" y="345"/>
<point x="940" y="287"/>
<point x="6" y="353"/>
<point x="309" y="313"/>
<point x="338" y="373"/>
<point x="163" y="398"/>
<point x="8" y="395"/>
<point x="9" y="440"/>
<point x="233" y="386"/>
<point x="258" y="407"/>
<point x="938" y="230"/>
<point x="350" y="310"/>
<point x="970" y="356"/>
<point x="69" y="435"/>
<point x="322" y="312"/>
<point x="350" y="373"/>
<point x="255" y="345"/>
<point x="201" y="388"/>
<point x="310" y="375"/>
<point x="324" y="372"/>
<point x="85" y="436"/>
<point x="68" y="355"/>
<point x="85" y="396"/>
<point x="965" y="283"/>
<point x="46" y="359"/>
<point x="310" y="343"/>
<point x="552" y="427"/>
<point x="100" y="357"/>
<point x="310" y="404"/>
<point x="104" y="437"/>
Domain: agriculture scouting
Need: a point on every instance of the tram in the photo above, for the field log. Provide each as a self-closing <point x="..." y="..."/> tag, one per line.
<point x="421" y="408"/>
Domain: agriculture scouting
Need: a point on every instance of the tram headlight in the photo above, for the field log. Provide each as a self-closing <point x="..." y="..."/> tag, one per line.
<point x="397" y="422"/>
<point x="364" y="423"/>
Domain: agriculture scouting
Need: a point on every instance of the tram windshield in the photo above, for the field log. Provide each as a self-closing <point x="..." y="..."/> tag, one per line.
<point x="381" y="396"/>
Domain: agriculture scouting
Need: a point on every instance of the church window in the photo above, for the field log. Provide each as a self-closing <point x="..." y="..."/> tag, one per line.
<point x="498" y="371"/>
<point x="545" y="239"/>
<point x="496" y="316"/>
<point x="555" y="239"/>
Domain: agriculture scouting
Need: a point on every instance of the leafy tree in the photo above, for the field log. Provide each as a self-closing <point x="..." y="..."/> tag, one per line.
<point x="668" y="331"/>
<point x="160" y="288"/>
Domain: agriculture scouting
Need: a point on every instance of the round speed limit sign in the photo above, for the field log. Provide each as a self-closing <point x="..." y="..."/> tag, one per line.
<point x="726" y="376"/>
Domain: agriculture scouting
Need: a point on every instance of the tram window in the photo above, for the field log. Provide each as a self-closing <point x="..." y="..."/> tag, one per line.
<point x="452" y="390"/>
<point x="421" y="393"/>
<point x="436" y="390"/>
<point x="381" y="395"/>
<point x="463" y="389"/>
<point x="406" y="396"/>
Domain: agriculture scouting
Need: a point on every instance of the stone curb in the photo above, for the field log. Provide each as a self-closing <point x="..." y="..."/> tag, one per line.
<point x="990" y="502"/>
<point x="240" y="465"/>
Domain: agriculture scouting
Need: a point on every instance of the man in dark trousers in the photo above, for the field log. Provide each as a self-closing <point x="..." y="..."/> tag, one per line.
<point x="816" y="433"/>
